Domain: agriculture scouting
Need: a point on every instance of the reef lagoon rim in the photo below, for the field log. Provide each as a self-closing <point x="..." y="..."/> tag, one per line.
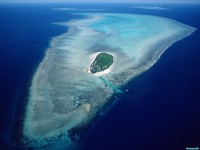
<point x="62" y="96"/>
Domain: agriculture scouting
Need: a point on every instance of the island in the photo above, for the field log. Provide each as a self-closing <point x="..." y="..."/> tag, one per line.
<point x="102" y="62"/>
<point x="84" y="68"/>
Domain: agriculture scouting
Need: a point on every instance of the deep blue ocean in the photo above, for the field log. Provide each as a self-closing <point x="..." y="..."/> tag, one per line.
<point x="161" y="109"/>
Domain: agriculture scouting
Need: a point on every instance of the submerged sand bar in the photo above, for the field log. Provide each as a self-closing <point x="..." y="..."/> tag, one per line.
<point x="62" y="96"/>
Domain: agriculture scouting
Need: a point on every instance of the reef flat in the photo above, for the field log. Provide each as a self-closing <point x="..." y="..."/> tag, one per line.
<point x="63" y="95"/>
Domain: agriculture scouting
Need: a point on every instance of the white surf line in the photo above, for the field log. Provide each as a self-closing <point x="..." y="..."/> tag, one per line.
<point x="152" y="8"/>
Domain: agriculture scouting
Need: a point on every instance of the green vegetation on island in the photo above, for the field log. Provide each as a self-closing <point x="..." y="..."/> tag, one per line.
<point x="102" y="62"/>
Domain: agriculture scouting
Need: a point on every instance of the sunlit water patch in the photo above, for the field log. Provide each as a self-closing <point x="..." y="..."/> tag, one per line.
<point x="64" y="96"/>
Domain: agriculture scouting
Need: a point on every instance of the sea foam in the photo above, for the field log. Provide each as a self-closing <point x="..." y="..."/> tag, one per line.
<point x="63" y="96"/>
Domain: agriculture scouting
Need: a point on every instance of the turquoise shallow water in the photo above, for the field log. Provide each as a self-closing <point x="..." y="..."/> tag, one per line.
<point x="110" y="85"/>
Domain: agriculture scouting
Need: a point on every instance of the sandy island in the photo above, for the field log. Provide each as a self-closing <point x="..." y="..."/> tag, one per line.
<point x="104" y="72"/>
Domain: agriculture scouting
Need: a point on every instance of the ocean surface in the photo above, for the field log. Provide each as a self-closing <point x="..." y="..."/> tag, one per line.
<point x="160" y="110"/>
